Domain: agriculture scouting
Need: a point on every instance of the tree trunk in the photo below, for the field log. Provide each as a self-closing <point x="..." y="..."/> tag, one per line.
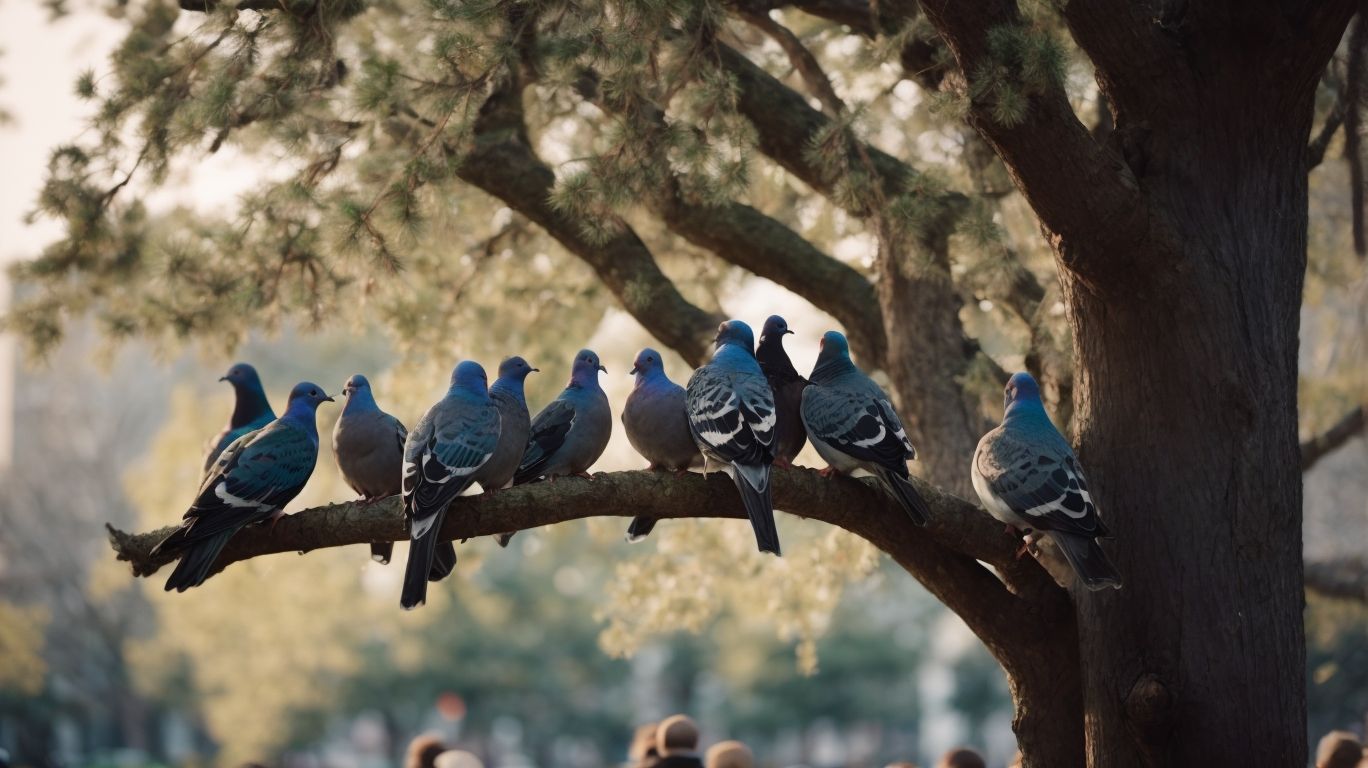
<point x="1186" y="417"/>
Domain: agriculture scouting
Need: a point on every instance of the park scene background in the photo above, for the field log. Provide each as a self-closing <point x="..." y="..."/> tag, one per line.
<point x="550" y="652"/>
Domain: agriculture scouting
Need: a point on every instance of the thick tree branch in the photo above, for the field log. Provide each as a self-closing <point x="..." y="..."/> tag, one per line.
<point x="1345" y="578"/>
<point x="942" y="556"/>
<point x="1315" y="150"/>
<point x="807" y="66"/>
<point x="1316" y="447"/>
<point x="761" y="244"/>
<point x="1050" y="143"/>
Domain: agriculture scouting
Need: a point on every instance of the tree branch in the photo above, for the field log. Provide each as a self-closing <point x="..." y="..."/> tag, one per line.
<point x="1315" y="151"/>
<point x="761" y="244"/>
<point x="802" y="60"/>
<point x="941" y="556"/>
<point x="501" y="162"/>
<point x="1316" y="447"/>
<point x="1050" y="143"/>
<point x="1344" y="577"/>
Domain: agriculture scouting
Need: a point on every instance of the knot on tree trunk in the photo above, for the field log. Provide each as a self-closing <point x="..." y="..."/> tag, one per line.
<point x="1149" y="705"/>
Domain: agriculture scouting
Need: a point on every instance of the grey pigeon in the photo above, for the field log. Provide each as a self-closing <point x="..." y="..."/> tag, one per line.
<point x="368" y="445"/>
<point x="515" y="426"/>
<point x="657" y="424"/>
<point x="731" y="417"/>
<point x="570" y="433"/>
<point x="787" y="385"/>
<point x="851" y="422"/>
<point x="254" y="477"/>
<point x="1028" y="477"/>
<point x="442" y="458"/>
<point x="251" y="410"/>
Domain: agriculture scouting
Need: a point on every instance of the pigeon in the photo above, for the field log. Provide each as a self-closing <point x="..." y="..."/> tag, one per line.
<point x="787" y="385"/>
<point x="443" y="456"/>
<point x="251" y="410"/>
<point x="731" y="416"/>
<point x="657" y="426"/>
<point x="851" y="422"/>
<point x="254" y="477"/>
<point x="368" y="445"/>
<point x="448" y="451"/>
<point x="515" y="426"/>
<point x="571" y="432"/>
<point x="1027" y="476"/>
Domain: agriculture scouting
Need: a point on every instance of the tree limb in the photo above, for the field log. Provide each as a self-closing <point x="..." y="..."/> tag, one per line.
<point x="807" y="66"/>
<point x="1315" y="150"/>
<point x="1047" y="144"/>
<point x="942" y="556"/>
<point x="1344" y="577"/>
<point x="1316" y="447"/>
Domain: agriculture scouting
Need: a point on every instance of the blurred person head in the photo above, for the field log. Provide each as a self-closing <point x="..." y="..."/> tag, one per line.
<point x="729" y="754"/>
<point x="677" y="735"/>
<point x="423" y="751"/>
<point x="642" y="751"/>
<point x="961" y="758"/>
<point x="1338" y="749"/>
<point x="457" y="758"/>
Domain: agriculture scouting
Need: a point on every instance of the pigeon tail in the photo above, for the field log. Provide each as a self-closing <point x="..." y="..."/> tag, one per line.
<point x="422" y="553"/>
<point x="1088" y="560"/>
<point x="906" y="494"/>
<point x="195" y="564"/>
<point x="443" y="561"/>
<point x="759" y="508"/>
<point x="639" y="529"/>
<point x="382" y="551"/>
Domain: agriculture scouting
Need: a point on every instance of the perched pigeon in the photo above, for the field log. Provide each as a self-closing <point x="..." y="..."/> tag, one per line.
<point x="253" y="478"/>
<point x="571" y="432"/>
<point x="368" y="445"/>
<point x="443" y="456"/>
<point x="852" y="424"/>
<point x="515" y="423"/>
<point x="515" y="427"/>
<point x="251" y="410"/>
<point x="787" y="385"/>
<point x="1028" y="477"/>
<point x="731" y="417"/>
<point x="657" y="426"/>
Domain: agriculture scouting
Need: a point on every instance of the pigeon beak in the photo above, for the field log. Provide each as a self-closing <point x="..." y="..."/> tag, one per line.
<point x="328" y="399"/>
<point x="601" y="368"/>
<point x="223" y="378"/>
<point x="787" y="332"/>
<point x="633" y="372"/>
<point x="536" y="370"/>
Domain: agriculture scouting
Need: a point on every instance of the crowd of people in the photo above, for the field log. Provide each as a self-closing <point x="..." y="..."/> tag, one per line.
<point x="675" y="743"/>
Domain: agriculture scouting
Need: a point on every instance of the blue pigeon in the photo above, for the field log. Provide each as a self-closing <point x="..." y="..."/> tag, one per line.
<point x="368" y="445"/>
<point x="570" y="433"/>
<point x="851" y="422"/>
<point x="657" y="425"/>
<point x="443" y="456"/>
<point x="1027" y="476"/>
<point x="787" y="385"/>
<point x="731" y="417"/>
<point x="251" y="410"/>
<point x="253" y="478"/>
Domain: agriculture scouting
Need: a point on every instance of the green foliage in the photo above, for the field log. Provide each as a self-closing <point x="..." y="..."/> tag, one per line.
<point x="1022" y="62"/>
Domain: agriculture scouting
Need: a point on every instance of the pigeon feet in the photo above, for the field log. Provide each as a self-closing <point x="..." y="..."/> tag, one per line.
<point x="276" y="517"/>
<point x="585" y="475"/>
<point x="830" y="471"/>
<point x="782" y="463"/>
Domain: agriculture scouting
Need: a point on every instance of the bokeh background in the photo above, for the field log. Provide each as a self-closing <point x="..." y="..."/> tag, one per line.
<point x="545" y="654"/>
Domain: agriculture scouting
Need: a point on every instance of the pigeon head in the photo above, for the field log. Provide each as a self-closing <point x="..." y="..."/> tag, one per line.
<point x="647" y="364"/>
<point x="242" y="375"/>
<point x="355" y="384"/>
<point x="469" y="376"/>
<point x="1021" y="389"/>
<point x="360" y="399"/>
<point x="305" y="399"/>
<point x="834" y="358"/>
<point x="515" y="368"/>
<point x="736" y="333"/>
<point x="775" y="328"/>
<point x="585" y="369"/>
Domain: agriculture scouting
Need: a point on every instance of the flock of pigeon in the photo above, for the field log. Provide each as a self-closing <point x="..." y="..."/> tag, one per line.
<point x="744" y="411"/>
